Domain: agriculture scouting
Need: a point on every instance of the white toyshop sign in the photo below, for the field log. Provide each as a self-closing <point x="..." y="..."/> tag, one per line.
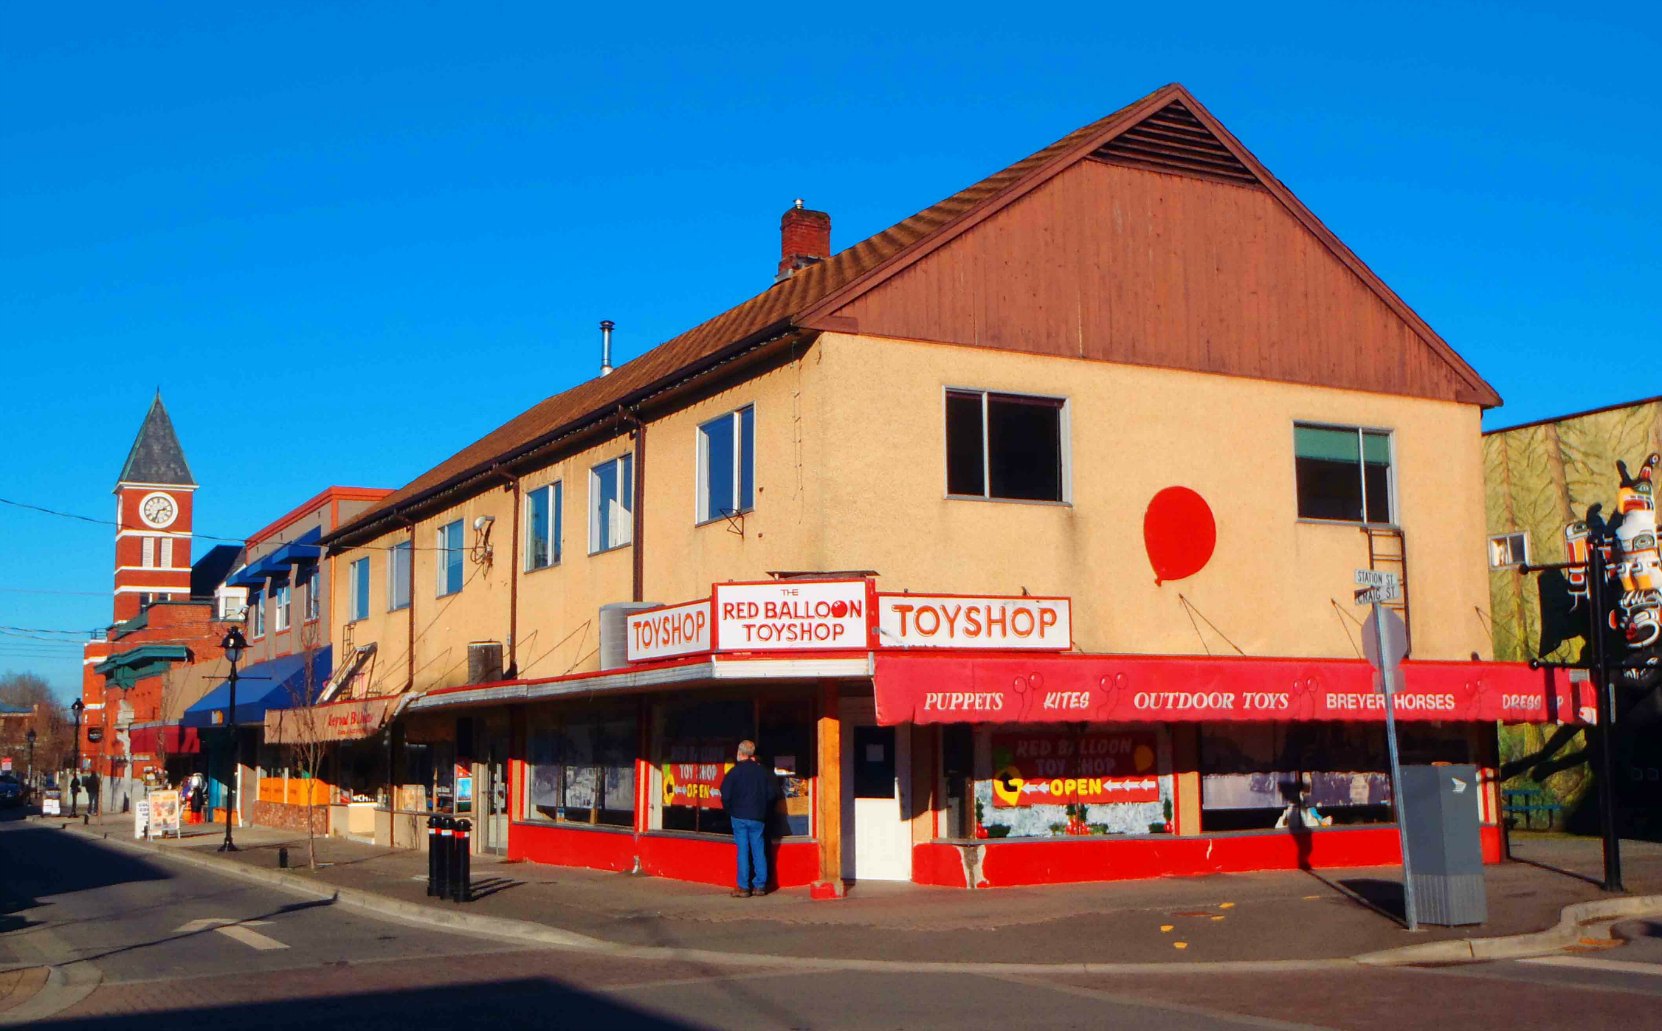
<point x="844" y="615"/>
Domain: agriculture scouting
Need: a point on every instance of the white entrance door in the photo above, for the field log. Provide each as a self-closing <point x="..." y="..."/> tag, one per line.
<point x="877" y="842"/>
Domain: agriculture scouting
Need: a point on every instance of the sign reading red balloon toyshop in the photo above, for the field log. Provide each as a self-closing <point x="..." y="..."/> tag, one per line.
<point x="793" y="615"/>
<point x="1059" y="768"/>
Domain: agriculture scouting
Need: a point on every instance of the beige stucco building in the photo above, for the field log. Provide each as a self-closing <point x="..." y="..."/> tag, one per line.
<point x="1129" y="353"/>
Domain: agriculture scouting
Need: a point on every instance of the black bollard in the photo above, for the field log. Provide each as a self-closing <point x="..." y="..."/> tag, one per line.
<point x="282" y="857"/>
<point x="432" y="855"/>
<point x="446" y="835"/>
<point x="461" y="880"/>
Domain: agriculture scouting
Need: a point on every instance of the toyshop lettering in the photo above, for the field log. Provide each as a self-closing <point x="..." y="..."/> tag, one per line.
<point x="1073" y="769"/>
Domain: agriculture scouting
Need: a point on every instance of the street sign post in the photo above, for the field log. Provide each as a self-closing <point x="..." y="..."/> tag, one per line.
<point x="1385" y="645"/>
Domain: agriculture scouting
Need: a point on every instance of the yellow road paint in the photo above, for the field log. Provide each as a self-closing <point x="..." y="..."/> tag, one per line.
<point x="1166" y="928"/>
<point x="1179" y="945"/>
<point x="1217" y="918"/>
<point x="1226" y="905"/>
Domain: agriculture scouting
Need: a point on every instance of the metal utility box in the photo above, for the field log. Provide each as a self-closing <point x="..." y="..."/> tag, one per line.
<point x="1440" y="810"/>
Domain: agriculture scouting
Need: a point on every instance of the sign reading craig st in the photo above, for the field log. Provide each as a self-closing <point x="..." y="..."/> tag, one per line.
<point x="946" y="621"/>
<point x="803" y="615"/>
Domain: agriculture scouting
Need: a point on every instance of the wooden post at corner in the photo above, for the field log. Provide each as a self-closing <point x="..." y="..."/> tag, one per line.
<point x="829" y="796"/>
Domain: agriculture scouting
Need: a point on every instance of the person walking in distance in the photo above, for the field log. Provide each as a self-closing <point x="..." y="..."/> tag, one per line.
<point x="92" y="792"/>
<point x="748" y="793"/>
<point x="74" y="794"/>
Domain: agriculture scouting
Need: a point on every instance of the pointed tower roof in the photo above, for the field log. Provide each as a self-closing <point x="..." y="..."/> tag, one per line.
<point x="156" y="456"/>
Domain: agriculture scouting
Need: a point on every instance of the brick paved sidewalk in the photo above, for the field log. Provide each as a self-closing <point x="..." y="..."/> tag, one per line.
<point x="1259" y="916"/>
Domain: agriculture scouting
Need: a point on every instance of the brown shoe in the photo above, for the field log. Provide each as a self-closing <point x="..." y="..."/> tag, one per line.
<point x="739" y="893"/>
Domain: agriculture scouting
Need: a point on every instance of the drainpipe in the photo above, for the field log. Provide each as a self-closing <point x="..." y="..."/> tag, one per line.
<point x="409" y="612"/>
<point x="513" y="582"/>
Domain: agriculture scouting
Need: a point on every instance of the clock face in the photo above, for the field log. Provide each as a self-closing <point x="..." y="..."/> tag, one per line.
<point x="158" y="510"/>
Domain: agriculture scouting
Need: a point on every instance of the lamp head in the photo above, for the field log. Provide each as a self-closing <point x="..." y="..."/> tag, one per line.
<point x="234" y="643"/>
<point x="30" y="735"/>
<point x="77" y="705"/>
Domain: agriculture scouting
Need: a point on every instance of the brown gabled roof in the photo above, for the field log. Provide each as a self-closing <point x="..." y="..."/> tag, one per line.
<point x="807" y="300"/>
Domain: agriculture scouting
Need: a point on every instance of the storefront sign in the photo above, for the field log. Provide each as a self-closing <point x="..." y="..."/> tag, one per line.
<point x="947" y="621"/>
<point x="336" y="721"/>
<point x="670" y="631"/>
<point x="793" y="616"/>
<point x="694" y="784"/>
<point x="1059" y="768"/>
<point x="920" y="688"/>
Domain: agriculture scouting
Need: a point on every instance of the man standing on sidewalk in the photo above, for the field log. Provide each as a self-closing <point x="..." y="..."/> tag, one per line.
<point x="92" y="792"/>
<point x="748" y="793"/>
<point x="74" y="794"/>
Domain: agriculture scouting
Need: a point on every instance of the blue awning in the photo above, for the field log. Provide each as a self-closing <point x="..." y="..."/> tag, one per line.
<point x="279" y="562"/>
<point x="275" y="684"/>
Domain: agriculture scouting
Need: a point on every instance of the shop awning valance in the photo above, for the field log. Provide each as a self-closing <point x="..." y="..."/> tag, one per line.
<point x="278" y="563"/>
<point x="275" y="684"/>
<point x="915" y="688"/>
<point x="350" y="720"/>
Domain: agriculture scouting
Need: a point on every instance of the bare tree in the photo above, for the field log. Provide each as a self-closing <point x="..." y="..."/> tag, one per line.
<point x="54" y="731"/>
<point x="303" y="733"/>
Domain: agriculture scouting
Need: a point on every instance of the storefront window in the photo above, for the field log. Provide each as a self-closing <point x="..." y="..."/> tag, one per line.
<point x="694" y="742"/>
<point x="1072" y="782"/>
<point x="1258" y="775"/>
<point x="580" y="765"/>
<point x="426" y="777"/>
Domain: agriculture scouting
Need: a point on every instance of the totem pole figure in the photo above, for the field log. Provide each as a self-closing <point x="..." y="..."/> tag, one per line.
<point x="1637" y="564"/>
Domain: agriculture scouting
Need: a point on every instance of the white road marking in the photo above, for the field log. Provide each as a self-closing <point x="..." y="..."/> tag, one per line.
<point x="236" y="930"/>
<point x="252" y="939"/>
<point x="1609" y="966"/>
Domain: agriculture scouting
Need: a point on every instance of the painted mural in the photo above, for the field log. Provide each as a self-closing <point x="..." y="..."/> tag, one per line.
<point x="1554" y="491"/>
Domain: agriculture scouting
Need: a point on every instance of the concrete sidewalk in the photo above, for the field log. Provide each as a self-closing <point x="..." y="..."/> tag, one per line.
<point x="1277" y="916"/>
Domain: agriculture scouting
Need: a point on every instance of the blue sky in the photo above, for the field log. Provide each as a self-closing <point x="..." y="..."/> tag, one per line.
<point x="346" y="240"/>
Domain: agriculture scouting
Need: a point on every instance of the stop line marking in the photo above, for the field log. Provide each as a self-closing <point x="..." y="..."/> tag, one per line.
<point x="236" y="930"/>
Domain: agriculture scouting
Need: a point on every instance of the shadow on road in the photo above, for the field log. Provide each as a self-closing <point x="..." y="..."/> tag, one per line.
<point x="512" y="1003"/>
<point x="42" y="860"/>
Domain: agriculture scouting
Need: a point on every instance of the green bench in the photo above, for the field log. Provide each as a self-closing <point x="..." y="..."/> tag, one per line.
<point x="1527" y="802"/>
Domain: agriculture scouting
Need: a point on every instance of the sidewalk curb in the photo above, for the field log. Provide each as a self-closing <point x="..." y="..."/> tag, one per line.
<point x="1574" y="923"/>
<point x="1571" y="927"/>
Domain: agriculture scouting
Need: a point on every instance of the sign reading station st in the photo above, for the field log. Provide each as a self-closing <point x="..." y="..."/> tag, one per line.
<point x="845" y="615"/>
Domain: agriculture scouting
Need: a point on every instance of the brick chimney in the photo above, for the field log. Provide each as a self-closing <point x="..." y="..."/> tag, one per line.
<point x="804" y="238"/>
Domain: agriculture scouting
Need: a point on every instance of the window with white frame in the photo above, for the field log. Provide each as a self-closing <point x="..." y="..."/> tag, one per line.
<point x="1343" y="473"/>
<point x="314" y="595"/>
<point x="167" y="553"/>
<point x="256" y="609"/>
<point x="611" y="504"/>
<point x="280" y="607"/>
<point x="1508" y="549"/>
<point x="398" y="576"/>
<point x="358" y="575"/>
<point x="727" y="465"/>
<point x="450" y="558"/>
<point x="1006" y="446"/>
<point x="543" y="508"/>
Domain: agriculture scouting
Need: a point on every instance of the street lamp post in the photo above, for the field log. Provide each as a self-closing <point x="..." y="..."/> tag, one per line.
<point x="30" y="737"/>
<point x="75" y="796"/>
<point x="233" y="645"/>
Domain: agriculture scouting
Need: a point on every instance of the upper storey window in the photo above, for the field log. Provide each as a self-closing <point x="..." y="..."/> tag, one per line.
<point x="727" y="465"/>
<point x="611" y="504"/>
<point x="1344" y="473"/>
<point x="1006" y="446"/>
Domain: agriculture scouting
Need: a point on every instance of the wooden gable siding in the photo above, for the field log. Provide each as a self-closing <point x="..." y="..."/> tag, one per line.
<point x="1122" y="264"/>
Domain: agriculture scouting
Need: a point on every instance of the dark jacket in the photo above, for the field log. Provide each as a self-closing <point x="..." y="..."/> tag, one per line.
<point x="749" y="791"/>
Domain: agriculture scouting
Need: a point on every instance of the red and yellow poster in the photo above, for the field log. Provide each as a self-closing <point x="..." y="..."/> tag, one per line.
<point x="695" y="784"/>
<point x="1058" y="768"/>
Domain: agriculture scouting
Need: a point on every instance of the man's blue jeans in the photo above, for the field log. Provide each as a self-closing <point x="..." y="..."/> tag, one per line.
<point x="753" y="857"/>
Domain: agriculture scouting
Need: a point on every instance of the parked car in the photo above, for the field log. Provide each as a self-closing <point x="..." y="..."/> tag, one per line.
<point x="11" y="791"/>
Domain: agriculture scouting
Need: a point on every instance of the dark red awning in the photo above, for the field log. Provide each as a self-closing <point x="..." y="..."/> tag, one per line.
<point x="919" y="687"/>
<point x="172" y="739"/>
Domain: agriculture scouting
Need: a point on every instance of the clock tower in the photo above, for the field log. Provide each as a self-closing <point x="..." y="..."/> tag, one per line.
<point x="153" y="513"/>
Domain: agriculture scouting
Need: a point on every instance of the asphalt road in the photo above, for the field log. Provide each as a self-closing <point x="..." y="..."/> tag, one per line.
<point x="145" y="943"/>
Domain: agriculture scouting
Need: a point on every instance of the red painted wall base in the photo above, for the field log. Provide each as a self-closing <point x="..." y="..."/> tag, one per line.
<point x="1007" y="864"/>
<point x="703" y="860"/>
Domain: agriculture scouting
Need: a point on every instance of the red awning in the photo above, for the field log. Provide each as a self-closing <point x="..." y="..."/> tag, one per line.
<point x="914" y="687"/>
<point x="171" y="739"/>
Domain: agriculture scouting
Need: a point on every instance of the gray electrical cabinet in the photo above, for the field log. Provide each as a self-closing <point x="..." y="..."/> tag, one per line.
<point x="1440" y="810"/>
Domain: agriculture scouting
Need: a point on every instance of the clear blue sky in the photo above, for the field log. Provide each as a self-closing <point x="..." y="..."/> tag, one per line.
<point x="346" y="240"/>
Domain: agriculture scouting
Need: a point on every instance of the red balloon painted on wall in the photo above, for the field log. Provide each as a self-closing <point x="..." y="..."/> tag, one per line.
<point x="1179" y="533"/>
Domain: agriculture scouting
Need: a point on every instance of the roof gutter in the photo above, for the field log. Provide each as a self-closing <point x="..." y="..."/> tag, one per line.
<point x="354" y="533"/>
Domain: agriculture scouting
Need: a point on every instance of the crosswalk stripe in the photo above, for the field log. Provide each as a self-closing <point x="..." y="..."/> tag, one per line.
<point x="250" y="938"/>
